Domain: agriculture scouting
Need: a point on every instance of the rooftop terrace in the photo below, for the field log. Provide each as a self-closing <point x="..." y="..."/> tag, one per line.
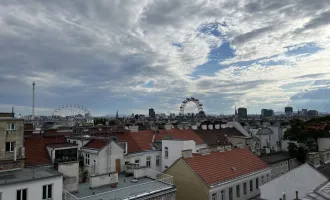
<point x="150" y="183"/>
<point x="27" y="174"/>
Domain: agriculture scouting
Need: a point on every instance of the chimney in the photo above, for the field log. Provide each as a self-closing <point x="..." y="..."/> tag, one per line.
<point x="187" y="153"/>
<point x="168" y="126"/>
<point x="12" y="112"/>
<point x="154" y="128"/>
<point x="223" y="125"/>
<point x="204" y="126"/>
<point x="180" y="127"/>
<point x="210" y="126"/>
<point x="314" y="158"/>
<point x="186" y="126"/>
<point x="204" y="151"/>
<point x="217" y="126"/>
<point x="194" y="127"/>
<point x="134" y="128"/>
<point x="284" y="196"/>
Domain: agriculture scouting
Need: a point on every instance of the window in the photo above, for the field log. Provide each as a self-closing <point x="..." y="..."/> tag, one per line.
<point x="166" y="152"/>
<point x="222" y="195"/>
<point x="0" y="195"/>
<point x="214" y="196"/>
<point x="262" y="180"/>
<point x="11" y="127"/>
<point x="21" y="194"/>
<point x="251" y="186"/>
<point x="10" y="146"/>
<point x="158" y="160"/>
<point x="238" y="192"/>
<point x="230" y="193"/>
<point x="148" y="163"/>
<point x="244" y="188"/>
<point x="87" y="156"/>
<point x="47" y="192"/>
<point x="127" y="162"/>
<point x="257" y="183"/>
<point x="267" y="177"/>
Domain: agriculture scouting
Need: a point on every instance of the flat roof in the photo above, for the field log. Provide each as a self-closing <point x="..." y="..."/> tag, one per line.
<point x="276" y="157"/>
<point x="27" y="174"/>
<point x="10" y="119"/>
<point x="144" y="186"/>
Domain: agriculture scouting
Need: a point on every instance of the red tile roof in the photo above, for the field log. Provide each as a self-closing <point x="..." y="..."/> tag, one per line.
<point x="96" y="144"/>
<point x="35" y="149"/>
<point x="143" y="139"/>
<point x="132" y="146"/>
<point x="222" y="166"/>
<point x="184" y="134"/>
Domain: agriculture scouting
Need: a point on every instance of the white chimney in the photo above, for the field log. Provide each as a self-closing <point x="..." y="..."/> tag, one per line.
<point x="194" y="127"/>
<point x="204" y="151"/>
<point x="134" y="128"/>
<point x="168" y="126"/>
<point x="314" y="159"/>
<point x="217" y="126"/>
<point x="186" y="126"/>
<point x="204" y="126"/>
<point x="186" y="153"/>
<point x="180" y="127"/>
<point x="223" y="125"/>
<point x="210" y="126"/>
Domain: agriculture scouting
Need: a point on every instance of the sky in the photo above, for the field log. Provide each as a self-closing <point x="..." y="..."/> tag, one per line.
<point x="132" y="55"/>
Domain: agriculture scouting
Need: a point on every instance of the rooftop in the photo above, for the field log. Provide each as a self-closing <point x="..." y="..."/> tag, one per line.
<point x="125" y="189"/>
<point x="27" y="174"/>
<point x="276" y="157"/>
<point x="219" y="167"/>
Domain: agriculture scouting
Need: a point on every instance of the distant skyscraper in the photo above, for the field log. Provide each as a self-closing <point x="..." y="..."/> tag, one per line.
<point x="312" y="113"/>
<point x="242" y="112"/>
<point x="288" y="111"/>
<point x="267" y="112"/>
<point x="117" y="116"/>
<point x="152" y="113"/>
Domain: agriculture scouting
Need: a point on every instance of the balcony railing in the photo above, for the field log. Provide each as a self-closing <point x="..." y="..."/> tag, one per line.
<point x="160" y="182"/>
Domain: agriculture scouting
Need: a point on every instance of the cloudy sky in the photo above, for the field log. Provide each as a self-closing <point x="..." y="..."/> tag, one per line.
<point x="131" y="55"/>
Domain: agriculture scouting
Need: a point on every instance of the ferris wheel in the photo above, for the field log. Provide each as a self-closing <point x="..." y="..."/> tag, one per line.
<point x="195" y="101"/>
<point x="71" y="110"/>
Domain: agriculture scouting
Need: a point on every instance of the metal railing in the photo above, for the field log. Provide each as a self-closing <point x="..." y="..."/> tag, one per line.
<point x="161" y="182"/>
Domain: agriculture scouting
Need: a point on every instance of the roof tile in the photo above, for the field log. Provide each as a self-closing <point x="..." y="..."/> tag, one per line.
<point x="223" y="166"/>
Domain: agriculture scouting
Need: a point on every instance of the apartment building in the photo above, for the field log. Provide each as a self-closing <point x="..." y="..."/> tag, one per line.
<point x="224" y="175"/>
<point x="12" y="150"/>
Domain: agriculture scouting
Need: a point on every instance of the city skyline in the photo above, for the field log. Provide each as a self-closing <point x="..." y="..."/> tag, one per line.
<point x="143" y="54"/>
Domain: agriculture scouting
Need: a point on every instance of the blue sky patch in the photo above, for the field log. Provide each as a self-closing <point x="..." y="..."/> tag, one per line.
<point x="309" y="48"/>
<point x="150" y="84"/>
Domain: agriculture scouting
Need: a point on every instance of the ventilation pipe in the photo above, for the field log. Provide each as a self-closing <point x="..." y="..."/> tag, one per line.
<point x="15" y="152"/>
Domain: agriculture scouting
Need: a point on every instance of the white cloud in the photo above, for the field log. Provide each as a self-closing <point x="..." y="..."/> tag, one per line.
<point x="94" y="52"/>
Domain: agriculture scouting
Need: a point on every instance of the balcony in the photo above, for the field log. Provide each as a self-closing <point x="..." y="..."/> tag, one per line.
<point x="149" y="183"/>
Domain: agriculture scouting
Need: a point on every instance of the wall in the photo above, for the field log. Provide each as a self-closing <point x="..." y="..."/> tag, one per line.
<point x="279" y="168"/>
<point x="302" y="179"/>
<point x="323" y="143"/>
<point x="34" y="191"/>
<point x="70" y="171"/>
<point x="175" y="148"/>
<point x="142" y="156"/>
<point x="189" y="185"/>
<point x="240" y="182"/>
<point x="103" y="179"/>
<point x="285" y="144"/>
<point x="237" y="141"/>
